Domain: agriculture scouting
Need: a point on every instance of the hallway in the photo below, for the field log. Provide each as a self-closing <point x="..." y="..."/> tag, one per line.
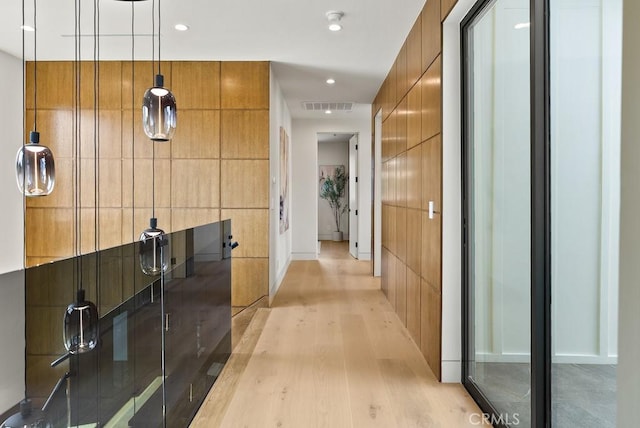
<point x="331" y="353"/>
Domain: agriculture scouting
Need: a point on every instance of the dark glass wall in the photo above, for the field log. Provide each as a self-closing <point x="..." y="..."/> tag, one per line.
<point x="175" y="327"/>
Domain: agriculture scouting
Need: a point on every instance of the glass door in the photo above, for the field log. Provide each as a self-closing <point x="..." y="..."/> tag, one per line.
<point x="497" y="209"/>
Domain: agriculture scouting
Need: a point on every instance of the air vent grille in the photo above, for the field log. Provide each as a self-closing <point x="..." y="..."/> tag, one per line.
<point x="324" y="106"/>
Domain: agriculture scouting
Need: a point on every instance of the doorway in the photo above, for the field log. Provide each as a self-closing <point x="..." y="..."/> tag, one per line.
<point x="338" y="210"/>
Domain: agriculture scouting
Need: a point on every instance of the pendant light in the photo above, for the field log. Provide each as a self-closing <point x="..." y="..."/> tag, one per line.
<point x="35" y="165"/>
<point x="154" y="243"/>
<point x="80" y="327"/>
<point x="158" y="105"/>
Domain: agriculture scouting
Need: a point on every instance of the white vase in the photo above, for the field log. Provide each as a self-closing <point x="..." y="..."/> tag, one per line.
<point x="337" y="236"/>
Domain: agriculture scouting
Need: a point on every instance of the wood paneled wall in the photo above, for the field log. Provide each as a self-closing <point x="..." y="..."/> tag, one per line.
<point x="411" y="102"/>
<point x="216" y="167"/>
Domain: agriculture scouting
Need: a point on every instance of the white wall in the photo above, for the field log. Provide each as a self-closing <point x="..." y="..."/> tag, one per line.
<point x="305" y="181"/>
<point x="332" y="153"/>
<point x="12" y="317"/>
<point x="279" y="244"/>
<point x="11" y="250"/>
<point x="628" y="392"/>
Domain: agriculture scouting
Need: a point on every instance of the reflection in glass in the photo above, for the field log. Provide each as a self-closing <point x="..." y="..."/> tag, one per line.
<point x="159" y="114"/>
<point x="153" y="260"/>
<point x="586" y="70"/>
<point x="80" y="325"/>
<point x="35" y="168"/>
<point x="498" y="173"/>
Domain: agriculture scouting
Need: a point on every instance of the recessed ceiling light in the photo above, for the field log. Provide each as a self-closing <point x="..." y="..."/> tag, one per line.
<point x="328" y="112"/>
<point x="331" y="81"/>
<point x="181" y="27"/>
<point x="334" y="18"/>
<point x="522" y="25"/>
<point x="27" y="28"/>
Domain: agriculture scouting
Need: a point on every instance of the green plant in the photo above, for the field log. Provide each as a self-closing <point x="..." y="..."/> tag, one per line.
<point x="333" y="189"/>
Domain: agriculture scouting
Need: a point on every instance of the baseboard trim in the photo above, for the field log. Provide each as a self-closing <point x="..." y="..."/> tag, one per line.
<point x="304" y="256"/>
<point x="451" y="371"/>
<point x="273" y="290"/>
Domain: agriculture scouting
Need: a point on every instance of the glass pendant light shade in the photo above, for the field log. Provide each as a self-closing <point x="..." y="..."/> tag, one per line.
<point x="27" y="417"/>
<point x="35" y="168"/>
<point x="154" y="249"/>
<point x="159" y="112"/>
<point x="81" y="325"/>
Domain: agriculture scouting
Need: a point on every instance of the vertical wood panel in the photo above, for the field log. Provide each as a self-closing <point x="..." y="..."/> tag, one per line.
<point x="195" y="183"/>
<point x="384" y="271"/>
<point x="401" y="126"/>
<point x="55" y="130"/>
<point x="431" y="100"/>
<point x="244" y="85"/>
<point x="414" y="177"/>
<point x="445" y="7"/>
<point x="401" y="72"/>
<point x="401" y="233"/>
<point x="414" y="239"/>
<point x="143" y="79"/>
<point x="432" y="173"/>
<point x="199" y="136"/>
<point x="414" y="53"/>
<point x="245" y="134"/>
<point x="431" y="326"/>
<point x="431" y="30"/>
<point x="393" y="235"/>
<point x="401" y="291"/>
<point x="55" y="85"/>
<point x="414" y="116"/>
<point x="431" y="251"/>
<point x="413" y="305"/>
<point x="251" y="230"/>
<point x="196" y="84"/>
<point x="143" y="196"/>
<point x="245" y="183"/>
<point x="250" y="280"/>
<point x="401" y="180"/>
<point x="393" y="280"/>
<point x="184" y="218"/>
<point x="392" y="171"/>
<point x="110" y="92"/>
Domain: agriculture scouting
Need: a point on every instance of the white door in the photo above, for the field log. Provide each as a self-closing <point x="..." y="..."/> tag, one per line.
<point x="353" y="196"/>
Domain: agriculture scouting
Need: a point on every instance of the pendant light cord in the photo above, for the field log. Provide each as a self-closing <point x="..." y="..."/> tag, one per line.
<point x="159" y="33"/>
<point x="133" y="132"/>
<point x="153" y="39"/>
<point x="35" y="68"/>
<point x="24" y="172"/>
<point x="78" y="143"/>
<point x="96" y="121"/>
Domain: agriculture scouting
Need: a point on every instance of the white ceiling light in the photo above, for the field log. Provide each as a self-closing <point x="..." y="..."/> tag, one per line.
<point x="522" y="25"/>
<point x="328" y="112"/>
<point x="334" y="18"/>
<point x="27" y="28"/>
<point x="181" y="27"/>
<point x="331" y="81"/>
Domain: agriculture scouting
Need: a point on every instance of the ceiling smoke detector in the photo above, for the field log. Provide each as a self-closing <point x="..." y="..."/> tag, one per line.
<point x="334" y="18"/>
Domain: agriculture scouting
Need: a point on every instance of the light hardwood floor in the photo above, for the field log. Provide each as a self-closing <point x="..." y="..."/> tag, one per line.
<point x="331" y="353"/>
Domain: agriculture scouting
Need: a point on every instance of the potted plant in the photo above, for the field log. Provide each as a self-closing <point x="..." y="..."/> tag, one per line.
<point x="333" y="189"/>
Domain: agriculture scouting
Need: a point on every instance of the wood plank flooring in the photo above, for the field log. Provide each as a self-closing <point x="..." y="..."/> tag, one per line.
<point x="331" y="353"/>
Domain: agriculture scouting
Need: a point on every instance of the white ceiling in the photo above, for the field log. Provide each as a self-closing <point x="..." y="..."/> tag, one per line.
<point x="334" y="137"/>
<point x="291" y="33"/>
